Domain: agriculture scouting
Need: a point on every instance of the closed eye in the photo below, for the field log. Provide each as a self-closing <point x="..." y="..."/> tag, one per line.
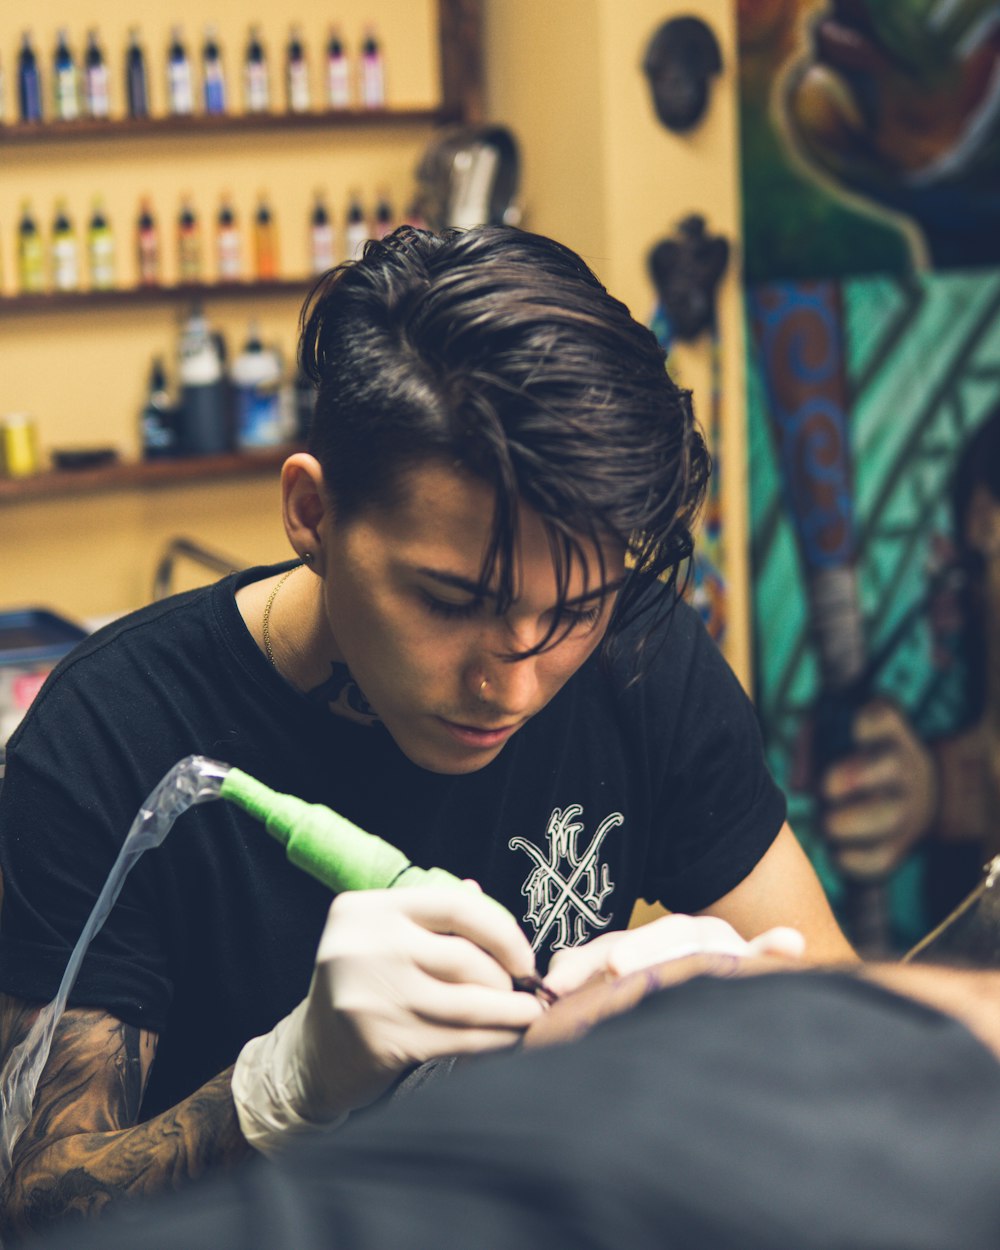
<point x="451" y="611"/>
<point x="580" y="617"/>
<point x="570" y="618"/>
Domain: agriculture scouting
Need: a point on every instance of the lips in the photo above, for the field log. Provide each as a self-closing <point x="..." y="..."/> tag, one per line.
<point x="476" y="737"/>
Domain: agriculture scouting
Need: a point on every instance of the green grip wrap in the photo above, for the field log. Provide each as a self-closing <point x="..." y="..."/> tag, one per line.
<point x="325" y="844"/>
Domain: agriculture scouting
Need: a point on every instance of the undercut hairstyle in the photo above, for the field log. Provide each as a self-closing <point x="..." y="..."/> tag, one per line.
<point x="498" y="352"/>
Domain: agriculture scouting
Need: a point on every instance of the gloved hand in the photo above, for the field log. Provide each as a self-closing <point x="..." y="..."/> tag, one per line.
<point x="401" y="976"/>
<point x="670" y="937"/>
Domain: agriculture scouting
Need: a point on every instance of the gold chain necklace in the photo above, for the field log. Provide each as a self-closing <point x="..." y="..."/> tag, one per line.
<point x="266" y="623"/>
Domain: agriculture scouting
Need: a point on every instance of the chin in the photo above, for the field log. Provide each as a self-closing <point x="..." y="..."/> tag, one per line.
<point x="450" y="765"/>
<point x="438" y="759"/>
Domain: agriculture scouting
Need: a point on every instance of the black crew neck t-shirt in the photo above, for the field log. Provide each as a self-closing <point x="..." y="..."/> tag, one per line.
<point x="616" y="790"/>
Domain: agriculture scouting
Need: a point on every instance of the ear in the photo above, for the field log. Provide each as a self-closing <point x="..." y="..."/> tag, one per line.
<point x="304" y="506"/>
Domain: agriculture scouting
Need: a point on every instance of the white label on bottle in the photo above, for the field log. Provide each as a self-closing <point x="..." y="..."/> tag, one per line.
<point x="180" y="87"/>
<point x="298" y="87"/>
<point x="338" y="82"/>
<point x="149" y="256"/>
<point x="97" y="91"/>
<point x="65" y="264"/>
<point x="258" y="96"/>
<point x="67" y="104"/>
<point x="102" y="262"/>
<point x="322" y="248"/>
<point x="229" y="253"/>
<point x="372" y="82"/>
<point x="189" y="258"/>
<point x="357" y="237"/>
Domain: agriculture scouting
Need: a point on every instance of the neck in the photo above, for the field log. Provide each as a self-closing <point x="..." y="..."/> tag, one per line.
<point x="302" y="648"/>
<point x="284" y="615"/>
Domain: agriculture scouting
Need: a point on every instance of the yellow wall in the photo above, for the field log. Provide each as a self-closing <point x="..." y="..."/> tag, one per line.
<point x="604" y="176"/>
<point x="82" y="376"/>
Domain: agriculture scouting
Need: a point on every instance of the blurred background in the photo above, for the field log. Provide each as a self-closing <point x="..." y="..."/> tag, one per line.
<point x="798" y="196"/>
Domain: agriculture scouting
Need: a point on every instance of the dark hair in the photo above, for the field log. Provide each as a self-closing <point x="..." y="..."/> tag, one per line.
<point x="498" y="351"/>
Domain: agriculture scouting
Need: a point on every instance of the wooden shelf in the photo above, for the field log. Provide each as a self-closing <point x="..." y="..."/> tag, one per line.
<point x="146" y="474"/>
<point x="187" y="293"/>
<point x="31" y="134"/>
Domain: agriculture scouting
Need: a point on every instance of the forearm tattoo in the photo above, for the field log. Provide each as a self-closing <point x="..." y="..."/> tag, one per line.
<point x="83" y="1149"/>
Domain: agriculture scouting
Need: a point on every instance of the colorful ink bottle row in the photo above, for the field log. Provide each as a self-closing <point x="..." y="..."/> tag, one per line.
<point x="80" y="87"/>
<point x="59" y="267"/>
<point x="56" y="265"/>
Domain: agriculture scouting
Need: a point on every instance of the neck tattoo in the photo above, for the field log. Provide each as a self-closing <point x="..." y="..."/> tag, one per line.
<point x="340" y="692"/>
<point x="342" y="695"/>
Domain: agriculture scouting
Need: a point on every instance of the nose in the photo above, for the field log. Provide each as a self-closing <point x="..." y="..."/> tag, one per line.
<point x="511" y="685"/>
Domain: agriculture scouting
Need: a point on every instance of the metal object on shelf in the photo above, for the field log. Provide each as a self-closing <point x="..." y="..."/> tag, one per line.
<point x="187" y="548"/>
<point x="469" y="177"/>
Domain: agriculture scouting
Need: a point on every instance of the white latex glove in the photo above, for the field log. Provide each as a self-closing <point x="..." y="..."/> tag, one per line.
<point x="401" y="976"/>
<point x="670" y="937"/>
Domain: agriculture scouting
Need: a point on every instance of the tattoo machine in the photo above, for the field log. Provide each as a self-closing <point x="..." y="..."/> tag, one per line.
<point x="335" y="851"/>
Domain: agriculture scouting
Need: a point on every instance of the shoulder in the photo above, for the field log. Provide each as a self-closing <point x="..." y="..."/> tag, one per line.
<point x="175" y="636"/>
<point x="104" y="659"/>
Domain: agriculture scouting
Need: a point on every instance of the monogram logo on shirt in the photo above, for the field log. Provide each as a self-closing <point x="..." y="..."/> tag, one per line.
<point x="565" y="890"/>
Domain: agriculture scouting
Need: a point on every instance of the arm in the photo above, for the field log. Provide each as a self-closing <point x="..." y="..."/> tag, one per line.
<point x="970" y="995"/>
<point x="83" y="1148"/>
<point x="783" y="889"/>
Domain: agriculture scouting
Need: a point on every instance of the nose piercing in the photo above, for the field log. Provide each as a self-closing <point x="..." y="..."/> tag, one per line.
<point x="482" y="687"/>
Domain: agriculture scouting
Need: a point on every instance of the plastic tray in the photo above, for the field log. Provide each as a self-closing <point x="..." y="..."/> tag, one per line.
<point x="33" y="636"/>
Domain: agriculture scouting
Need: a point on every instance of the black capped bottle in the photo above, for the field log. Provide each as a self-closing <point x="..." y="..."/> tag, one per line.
<point x="256" y="80"/>
<point x="338" y="73"/>
<point x="147" y="243"/>
<point x="299" y="97"/>
<point x="30" y="253"/>
<point x="65" y="252"/>
<point x="65" y="81"/>
<point x="29" y="83"/>
<point x="228" y="244"/>
<point x="180" y="85"/>
<point x="188" y="244"/>
<point x="265" y="238"/>
<point x="384" y="217"/>
<point x="372" y="72"/>
<point x="158" y="419"/>
<point x="100" y="249"/>
<point x="212" y="74"/>
<point x="356" y="232"/>
<point x="321" y="242"/>
<point x="96" y="95"/>
<point x="136" y="83"/>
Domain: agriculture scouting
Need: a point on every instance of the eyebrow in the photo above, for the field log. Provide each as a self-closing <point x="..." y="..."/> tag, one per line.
<point x="473" y="588"/>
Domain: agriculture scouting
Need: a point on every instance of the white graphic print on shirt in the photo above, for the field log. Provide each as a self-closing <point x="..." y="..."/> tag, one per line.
<point x="569" y="897"/>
